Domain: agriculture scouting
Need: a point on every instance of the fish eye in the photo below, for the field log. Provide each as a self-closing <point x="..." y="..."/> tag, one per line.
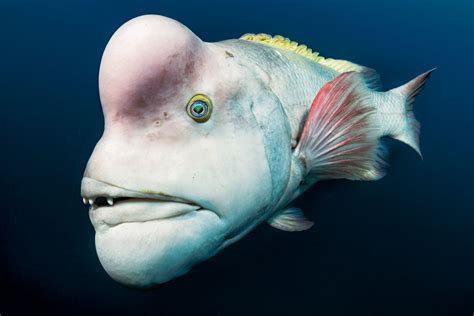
<point x="199" y="108"/>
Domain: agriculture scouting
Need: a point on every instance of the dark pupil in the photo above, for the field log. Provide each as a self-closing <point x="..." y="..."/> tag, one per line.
<point x="198" y="108"/>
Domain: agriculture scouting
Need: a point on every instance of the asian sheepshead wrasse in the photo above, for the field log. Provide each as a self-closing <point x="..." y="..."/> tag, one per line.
<point x="204" y="141"/>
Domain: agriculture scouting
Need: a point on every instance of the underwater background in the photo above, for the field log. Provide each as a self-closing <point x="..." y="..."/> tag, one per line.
<point x="403" y="245"/>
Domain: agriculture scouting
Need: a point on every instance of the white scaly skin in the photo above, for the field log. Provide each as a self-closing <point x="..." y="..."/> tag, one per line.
<point x="230" y="173"/>
<point x="295" y="80"/>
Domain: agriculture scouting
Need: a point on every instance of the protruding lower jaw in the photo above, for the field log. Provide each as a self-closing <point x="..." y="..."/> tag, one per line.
<point x="145" y="239"/>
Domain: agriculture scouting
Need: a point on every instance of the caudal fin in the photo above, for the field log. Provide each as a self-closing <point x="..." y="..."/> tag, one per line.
<point x="409" y="133"/>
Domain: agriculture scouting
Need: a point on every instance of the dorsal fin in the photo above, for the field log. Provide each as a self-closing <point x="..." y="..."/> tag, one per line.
<point x="338" y="65"/>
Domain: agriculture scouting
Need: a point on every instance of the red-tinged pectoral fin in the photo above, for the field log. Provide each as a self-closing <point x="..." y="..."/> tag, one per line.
<point x="340" y="136"/>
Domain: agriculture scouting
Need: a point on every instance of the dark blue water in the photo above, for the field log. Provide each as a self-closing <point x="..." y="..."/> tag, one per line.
<point x="400" y="246"/>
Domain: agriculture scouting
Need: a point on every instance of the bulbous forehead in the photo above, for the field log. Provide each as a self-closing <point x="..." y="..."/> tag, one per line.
<point x="148" y="59"/>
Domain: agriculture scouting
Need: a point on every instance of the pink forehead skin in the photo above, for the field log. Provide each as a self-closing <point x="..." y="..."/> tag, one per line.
<point x="147" y="62"/>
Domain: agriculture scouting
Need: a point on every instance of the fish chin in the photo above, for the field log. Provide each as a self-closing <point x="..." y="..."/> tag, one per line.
<point x="145" y="254"/>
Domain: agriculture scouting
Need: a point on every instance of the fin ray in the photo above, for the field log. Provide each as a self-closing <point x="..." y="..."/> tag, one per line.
<point x="291" y="220"/>
<point x="340" y="138"/>
<point x="279" y="41"/>
<point x="410" y="132"/>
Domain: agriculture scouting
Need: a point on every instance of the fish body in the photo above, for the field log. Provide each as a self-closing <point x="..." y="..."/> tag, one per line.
<point x="204" y="141"/>
<point x="293" y="78"/>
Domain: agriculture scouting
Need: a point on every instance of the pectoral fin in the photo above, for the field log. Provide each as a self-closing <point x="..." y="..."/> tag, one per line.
<point x="340" y="138"/>
<point x="291" y="220"/>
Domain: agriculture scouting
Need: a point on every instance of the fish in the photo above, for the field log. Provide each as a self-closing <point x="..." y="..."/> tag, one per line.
<point x="204" y="141"/>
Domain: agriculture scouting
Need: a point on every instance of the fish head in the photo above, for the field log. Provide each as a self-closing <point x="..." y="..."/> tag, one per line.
<point x="181" y="169"/>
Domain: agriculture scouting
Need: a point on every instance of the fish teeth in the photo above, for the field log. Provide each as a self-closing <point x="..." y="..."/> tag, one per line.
<point x="91" y="201"/>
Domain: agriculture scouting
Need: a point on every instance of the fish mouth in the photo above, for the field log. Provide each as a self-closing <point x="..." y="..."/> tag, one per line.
<point x="112" y="205"/>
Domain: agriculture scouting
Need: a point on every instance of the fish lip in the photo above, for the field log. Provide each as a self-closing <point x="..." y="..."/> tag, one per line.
<point x="92" y="189"/>
<point x="98" y="218"/>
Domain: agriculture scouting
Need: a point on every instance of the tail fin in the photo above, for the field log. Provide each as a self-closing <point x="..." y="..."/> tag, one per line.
<point x="410" y="133"/>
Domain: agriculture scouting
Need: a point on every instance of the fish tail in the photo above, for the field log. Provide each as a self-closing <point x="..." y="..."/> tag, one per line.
<point x="341" y="135"/>
<point x="400" y="123"/>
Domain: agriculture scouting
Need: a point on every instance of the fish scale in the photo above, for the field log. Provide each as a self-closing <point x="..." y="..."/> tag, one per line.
<point x="296" y="75"/>
<point x="294" y="79"/>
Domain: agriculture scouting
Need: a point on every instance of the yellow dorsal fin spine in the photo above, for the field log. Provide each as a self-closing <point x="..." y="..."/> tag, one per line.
<point x="285" y="43"/>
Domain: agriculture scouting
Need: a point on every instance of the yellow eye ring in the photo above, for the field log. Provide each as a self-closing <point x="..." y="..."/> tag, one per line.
<point x="199" y="108"/>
